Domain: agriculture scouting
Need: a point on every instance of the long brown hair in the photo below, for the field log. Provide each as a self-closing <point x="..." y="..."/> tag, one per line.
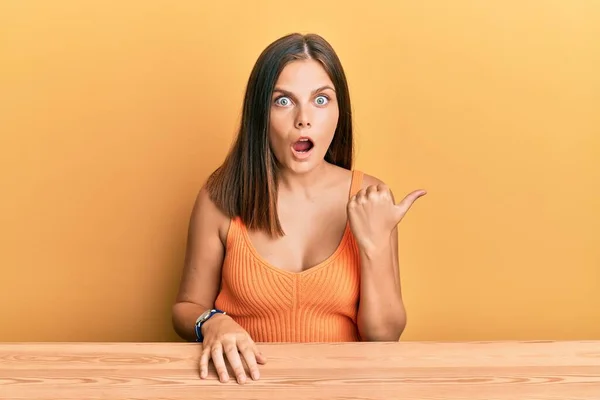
<point x="245" y="185"/>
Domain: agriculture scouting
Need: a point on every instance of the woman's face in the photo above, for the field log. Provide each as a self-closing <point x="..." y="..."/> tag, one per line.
<point x="304" y="115"/>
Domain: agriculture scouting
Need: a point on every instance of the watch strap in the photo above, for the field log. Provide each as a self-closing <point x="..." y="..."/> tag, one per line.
<point x="202" y="319"/>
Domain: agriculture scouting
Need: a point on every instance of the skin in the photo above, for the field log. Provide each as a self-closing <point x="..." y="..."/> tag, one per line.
<point x="313" y="209"/>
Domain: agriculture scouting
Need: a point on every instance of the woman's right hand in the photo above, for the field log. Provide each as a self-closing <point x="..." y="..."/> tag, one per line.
<point x="224" y="337"/>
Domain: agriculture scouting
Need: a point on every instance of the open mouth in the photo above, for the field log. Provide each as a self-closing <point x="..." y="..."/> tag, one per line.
<point x="304" y="145"/>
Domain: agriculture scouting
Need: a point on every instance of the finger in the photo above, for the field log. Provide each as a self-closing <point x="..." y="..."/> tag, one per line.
<point x="260" y="357"/>
<point x="231" y="351"/>
<point x="217" y="357"/>
<point x="408" y="201"/>
<point x="361" y="197"/>
<point x="204" y="358"/>
<point x="250" y="359"/>
<point x="384" y="190"/>
<point x="370" y="191"/>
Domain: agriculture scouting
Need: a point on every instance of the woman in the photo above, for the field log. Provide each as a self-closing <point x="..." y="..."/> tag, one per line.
<point x="286" y="242"/>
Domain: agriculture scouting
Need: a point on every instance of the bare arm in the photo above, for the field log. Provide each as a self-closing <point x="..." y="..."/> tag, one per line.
<point x="200" y="282"/>
<point x="381" y="313"/>
<point x="201" y="276"/>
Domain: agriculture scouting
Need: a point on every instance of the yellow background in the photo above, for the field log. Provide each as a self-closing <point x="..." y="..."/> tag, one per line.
<point x="113" y="113"/>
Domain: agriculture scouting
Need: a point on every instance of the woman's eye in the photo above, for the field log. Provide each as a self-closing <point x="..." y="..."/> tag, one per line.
<point x="322" y="100"/>
<point x="283" y="101"/>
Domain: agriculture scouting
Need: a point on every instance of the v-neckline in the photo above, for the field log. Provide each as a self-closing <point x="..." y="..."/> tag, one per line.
<point x="263" y="261"/>
<point x="355" y="184"/>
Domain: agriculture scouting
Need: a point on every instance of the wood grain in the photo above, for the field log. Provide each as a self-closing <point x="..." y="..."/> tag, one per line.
<point x="350" y="371"/>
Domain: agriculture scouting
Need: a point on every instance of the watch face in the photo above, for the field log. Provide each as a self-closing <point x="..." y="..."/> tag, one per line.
<point x="204" y="315"/>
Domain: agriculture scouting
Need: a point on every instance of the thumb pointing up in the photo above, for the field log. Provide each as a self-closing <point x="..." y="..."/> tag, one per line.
<point x="402" y="208"/>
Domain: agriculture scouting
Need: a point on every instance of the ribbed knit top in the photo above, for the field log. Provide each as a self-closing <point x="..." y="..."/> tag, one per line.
<point x="319" y="304"/>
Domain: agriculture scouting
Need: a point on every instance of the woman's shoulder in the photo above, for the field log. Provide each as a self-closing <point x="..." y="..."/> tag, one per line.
<point x="207" y="215"/>
<point x="372" y="180"/>
<point x="365" y="178"/>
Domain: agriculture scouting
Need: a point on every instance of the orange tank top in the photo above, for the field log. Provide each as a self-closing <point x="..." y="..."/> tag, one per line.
<point x="319" y="304"/>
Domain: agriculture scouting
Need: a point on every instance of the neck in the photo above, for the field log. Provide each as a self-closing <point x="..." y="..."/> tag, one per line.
<point x="306" y="183"/>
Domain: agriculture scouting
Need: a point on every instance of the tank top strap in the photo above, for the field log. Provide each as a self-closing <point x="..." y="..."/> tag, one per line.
<point x="357" y="178"/>
<point x="233" y="233"/>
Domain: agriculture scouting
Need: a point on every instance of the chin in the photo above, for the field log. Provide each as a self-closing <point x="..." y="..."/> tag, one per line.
<point x="305" y="166"/>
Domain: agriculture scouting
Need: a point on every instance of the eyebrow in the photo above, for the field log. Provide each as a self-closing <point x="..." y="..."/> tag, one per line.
<point x="287" y="93"/>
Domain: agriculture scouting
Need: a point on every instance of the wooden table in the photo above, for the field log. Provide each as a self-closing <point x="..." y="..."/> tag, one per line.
<point x="353" y="371"/>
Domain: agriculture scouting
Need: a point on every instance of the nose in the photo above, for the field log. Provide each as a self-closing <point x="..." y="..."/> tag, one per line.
<point x="302" y="124"/>
<point x="302" y="119"/>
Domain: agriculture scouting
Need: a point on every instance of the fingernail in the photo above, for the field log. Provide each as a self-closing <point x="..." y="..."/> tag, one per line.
<point x="255" y="375"/>
<point x="241" y="379"/>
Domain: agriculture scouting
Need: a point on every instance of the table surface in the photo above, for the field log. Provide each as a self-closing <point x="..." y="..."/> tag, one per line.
<point x="351" y="371"/>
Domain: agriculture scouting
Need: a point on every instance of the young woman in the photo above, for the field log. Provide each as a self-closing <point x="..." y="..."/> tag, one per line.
<point x="287" y="243"/>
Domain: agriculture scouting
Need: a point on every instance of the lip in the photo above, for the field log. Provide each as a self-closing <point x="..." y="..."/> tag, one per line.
<point x="305" y="154"/>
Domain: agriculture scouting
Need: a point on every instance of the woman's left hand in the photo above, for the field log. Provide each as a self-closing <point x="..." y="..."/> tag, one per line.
<point x="373" y="215"/>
